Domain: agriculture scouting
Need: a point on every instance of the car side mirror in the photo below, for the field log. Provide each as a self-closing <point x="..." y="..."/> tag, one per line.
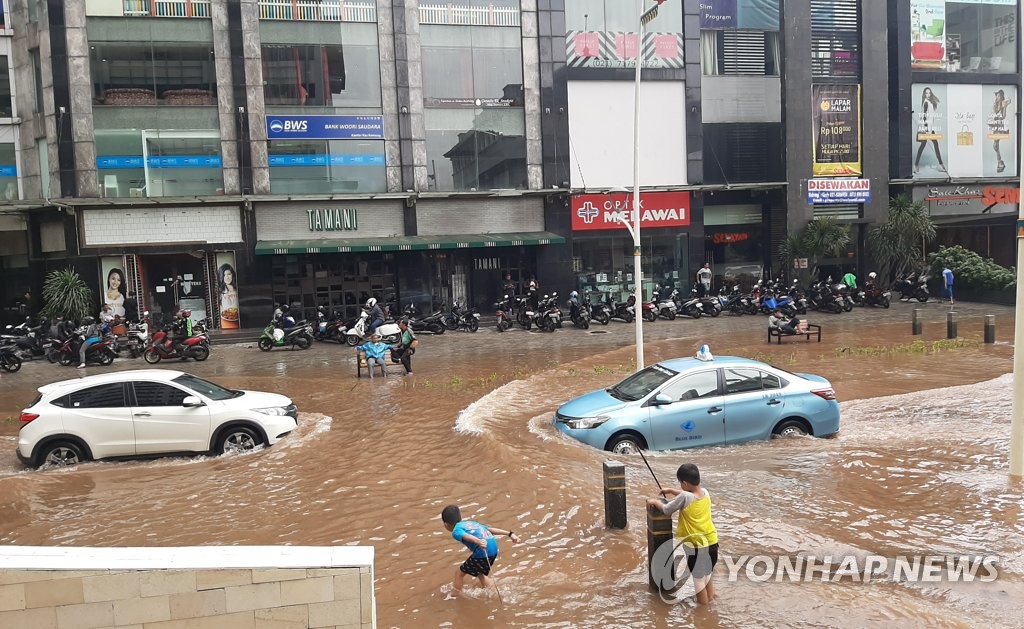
<point x="191" y="401"/>
<point x="661" y="399"/>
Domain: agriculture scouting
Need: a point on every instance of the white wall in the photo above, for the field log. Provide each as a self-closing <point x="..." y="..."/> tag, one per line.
<point x="156" y="225"/>
<point x="601" y="133"/>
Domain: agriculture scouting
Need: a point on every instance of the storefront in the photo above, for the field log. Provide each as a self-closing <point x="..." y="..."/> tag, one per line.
<point x="167" y="259"/>
<point x="734" y="242"/>
<point x="339" y="254"/>
<point x="15" y="292"/>
<point x="977" y="216"/>
<point x="602" y="247"/>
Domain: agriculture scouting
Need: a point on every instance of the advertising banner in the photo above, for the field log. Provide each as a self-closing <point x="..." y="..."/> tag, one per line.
<point x="325" y="127"/>
<point x="717" y="14"/>
<point x="838" y="191"/>
<point x="610" y="49"/>
<point x="603" y="211"/>
<point x="835" y="116"/>
<point x="967" y="200"/>
<point x="227" y="290"/>
<point x="928" y="34"/>
<point x="762" y="15"/>
<point x="964" y="130"/>
<point x="114" y="288"/>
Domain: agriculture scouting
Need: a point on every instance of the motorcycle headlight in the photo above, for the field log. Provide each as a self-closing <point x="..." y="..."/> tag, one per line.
<point x="586" y="422"/>
<point x="277" y="411"/>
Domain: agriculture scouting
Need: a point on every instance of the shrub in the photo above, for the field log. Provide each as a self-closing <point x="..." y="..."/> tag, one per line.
<point x="970" y="270"/>
<point x="66" y="294"/>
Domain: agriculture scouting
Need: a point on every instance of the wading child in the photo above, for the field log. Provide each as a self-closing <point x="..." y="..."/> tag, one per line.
<point x="695" y="532"/>
<point x="478" y="538"/>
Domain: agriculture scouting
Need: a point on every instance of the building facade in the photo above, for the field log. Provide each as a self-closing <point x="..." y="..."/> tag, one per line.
<point x="227" y="155"/>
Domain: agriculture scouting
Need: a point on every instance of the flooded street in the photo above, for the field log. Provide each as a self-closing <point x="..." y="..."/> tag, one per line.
<point x="919" y="467"/>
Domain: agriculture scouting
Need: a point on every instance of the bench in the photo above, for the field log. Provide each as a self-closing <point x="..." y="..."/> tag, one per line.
<point x="812" y="329"/>
<point x="360" y="368"/>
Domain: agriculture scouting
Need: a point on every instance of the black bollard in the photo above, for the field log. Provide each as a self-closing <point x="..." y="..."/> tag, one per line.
<point x="916" y="325"/>
<point x="990" y="328"/>
<point x="660" y="572"/>
<point x="614" y="495"/>
<point x="951" y="324"/>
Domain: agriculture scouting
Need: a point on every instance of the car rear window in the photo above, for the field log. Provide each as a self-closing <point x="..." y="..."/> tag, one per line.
<point x="35" y="400"/>
<point x="102" y="396"/>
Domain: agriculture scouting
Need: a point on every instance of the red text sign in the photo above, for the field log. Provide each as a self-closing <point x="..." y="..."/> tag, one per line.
<point x="605" y="211"/>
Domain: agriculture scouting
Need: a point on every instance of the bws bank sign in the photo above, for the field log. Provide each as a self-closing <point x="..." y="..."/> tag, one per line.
<point x="325" y="127"/>
<point x="605" y="211"/>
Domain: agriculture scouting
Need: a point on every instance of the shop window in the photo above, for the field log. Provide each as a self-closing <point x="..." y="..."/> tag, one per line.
<point x="473" y="148"/>
<point x="835" y="38"/>
<point x="37" y="78"/>
<point x="462" y="64"/>
<point x="155" y="163"/>
<point x="6" y="104"/>
<point x="302" y="75"/>
<point x="326" y="166"/>
<point x="8" y="172"/>
<point x="743" y="152"/>
<point x="151" y="73"/>
<point x="736" y="52"/>
<point x="981" y="38"/>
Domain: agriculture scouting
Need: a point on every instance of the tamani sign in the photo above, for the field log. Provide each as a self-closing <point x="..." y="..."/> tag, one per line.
<point x="838" y="191"/>
<point x="605" y="211"/>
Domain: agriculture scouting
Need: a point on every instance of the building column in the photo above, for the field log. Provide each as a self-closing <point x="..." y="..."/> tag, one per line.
<point x="77" y="93"/>
<point x="33" y="125"/>
<point x="227" y="115"/>
<point x="531" y="93"/>
<point x="386" y="47"/>
<point x="874" y="106"/>
<point x="254" y="126"/>
<point x="796" y="103"/>
<point x="693" y="113"/>
<point x="409" y="88"/>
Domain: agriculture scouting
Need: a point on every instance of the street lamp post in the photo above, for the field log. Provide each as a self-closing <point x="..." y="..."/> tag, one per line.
<point x="1017" y="421"/>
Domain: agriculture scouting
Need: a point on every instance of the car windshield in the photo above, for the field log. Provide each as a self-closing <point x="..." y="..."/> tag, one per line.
<point x="640" y="384"/>
<point x="206" y="388"/>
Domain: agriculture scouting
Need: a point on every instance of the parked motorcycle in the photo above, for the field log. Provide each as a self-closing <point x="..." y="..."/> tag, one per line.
<point x="580" y="315"/>
<point x="163" y="347"/>
<point x="666" y="307"/>
<point x="914" y="286"/>
<point x="300" y="335"/>
<point x="99" y="353"/>
<point x="9" y="360"/>
<point x="524" y="313"/>
<point x="625" y="312"/>
<point x="135" y="339"/>
<point x="692" y="307"/>
<point x="504" y="313"/>
<point x="548" y="316"/>
<point x="875" y="296"/>
<point x="360" y="332"/>
<point x="27" y="341"/>
<point x="432" y="323"/>
<point x="599" y="312"/>
<point x="649" y="311"/>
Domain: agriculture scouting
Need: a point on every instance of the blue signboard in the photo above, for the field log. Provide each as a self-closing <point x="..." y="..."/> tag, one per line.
<point x="325" y="127"/>
<point x="164" y="161"/>
<point x="326" y="160"/>
<point x="8" y="170"/>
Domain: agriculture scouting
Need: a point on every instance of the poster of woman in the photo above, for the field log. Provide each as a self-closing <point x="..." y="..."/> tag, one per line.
<point x="227" y="285"/>
<point x="114" y="285"/>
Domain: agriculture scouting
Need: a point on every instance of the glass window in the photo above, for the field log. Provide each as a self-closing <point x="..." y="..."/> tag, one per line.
<point x="103" y="396"/>
<point x="475" y="148"/>
<point x="471" y="62"/>
<point x="206" y="388"/>
<point x="735" y="52"/>
<point x="155" y="163"/>
<point x="835" y="38"/>
<point x="642" y="383"/>
<point x="742" y="380"/>
<point x="324" y="166"/>
<point x="619" y="15"/>
<point x="743" y="152"/>
<point x="981" y="38"/>
<point x="8" y="172"/>
<point x="157" y="394"/>
<point x="6" y="108"/>
<point x="694" y="386"/>
<point x="321" y="75"/>
<point x="151" y="73"/>
<point x="771" y="381"/>
<point x="37" y="78"/>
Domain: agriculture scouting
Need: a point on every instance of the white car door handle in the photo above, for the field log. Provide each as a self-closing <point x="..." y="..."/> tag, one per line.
<point x="142" y="414"/>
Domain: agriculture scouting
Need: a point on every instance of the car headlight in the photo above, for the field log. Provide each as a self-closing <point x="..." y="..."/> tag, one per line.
<point x="586" y="422"/>
<point x="273" y="410"/>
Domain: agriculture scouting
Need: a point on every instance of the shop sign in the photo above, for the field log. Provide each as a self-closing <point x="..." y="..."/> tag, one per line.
<point x="966" y="200"/>
<point x="333" y="219"/>
<point x="824" y="191"/>
<point x="325" y="127"/>
<point x="729" y="238"/>
<point x="618" y="49"/>
<point x="835" y="120"/>
<point x="606" y="211"/>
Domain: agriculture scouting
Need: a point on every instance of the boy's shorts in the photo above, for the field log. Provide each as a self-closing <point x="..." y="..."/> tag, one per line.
<point x="700" y="562"/>
<point x="478" y="566"/>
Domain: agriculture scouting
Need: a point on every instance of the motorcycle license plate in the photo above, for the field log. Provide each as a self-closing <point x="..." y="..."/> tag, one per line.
<point x="476" y="315"/>
<point x="529" y="314"/>
<point x="553" y="315"/>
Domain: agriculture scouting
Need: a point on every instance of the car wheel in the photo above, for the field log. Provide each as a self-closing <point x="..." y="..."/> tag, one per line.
<point x="626" y="444"/>
<point x="60" y="454"/>
<point x="790" y="428"/>
<point x="152" y="356"/>
<point x="11" y="363"/>
<point x="201" y="353"/>
<point x="238" y="439"/>
<point x="264" y="344"/>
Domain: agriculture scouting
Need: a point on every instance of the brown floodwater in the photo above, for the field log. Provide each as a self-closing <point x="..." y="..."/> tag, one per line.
<point x="920" y="467"/>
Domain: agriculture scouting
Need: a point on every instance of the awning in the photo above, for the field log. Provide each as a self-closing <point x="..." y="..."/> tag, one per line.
<point x="406" y="243"/>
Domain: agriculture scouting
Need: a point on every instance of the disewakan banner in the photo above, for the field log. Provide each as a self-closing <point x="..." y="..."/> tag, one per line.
<point x="835" y="115"/>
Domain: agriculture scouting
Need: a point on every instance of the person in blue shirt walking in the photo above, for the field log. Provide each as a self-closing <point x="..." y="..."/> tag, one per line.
<point x="480" y="540"/>
<point x="372" y="352"/>
<point x="947" y="282"/>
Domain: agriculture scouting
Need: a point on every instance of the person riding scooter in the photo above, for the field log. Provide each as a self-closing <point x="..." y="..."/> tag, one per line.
<point x="91" y="336"/>
<point x="376" y="316"/>
<point x="574" y="305"/>
<point x="181" y="329"/>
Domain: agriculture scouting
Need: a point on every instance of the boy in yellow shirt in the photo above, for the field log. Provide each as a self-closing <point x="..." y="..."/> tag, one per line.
<point x="695" y="531"/>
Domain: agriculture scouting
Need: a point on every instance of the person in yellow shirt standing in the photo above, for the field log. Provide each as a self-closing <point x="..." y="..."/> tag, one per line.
<point x="695" y="532"/>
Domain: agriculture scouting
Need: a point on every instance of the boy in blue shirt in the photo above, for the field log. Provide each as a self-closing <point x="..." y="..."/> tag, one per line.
<point x="372" y="352"/>
<point x="478" y="538"/>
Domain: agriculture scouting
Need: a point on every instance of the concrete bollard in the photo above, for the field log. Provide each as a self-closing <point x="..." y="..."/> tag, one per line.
<point x="951" y="324"/>
<point x="614" y="495"/>
<point x="916" y="324"/>
<point x="660" y="565"/>
<point x="990" y="328"/>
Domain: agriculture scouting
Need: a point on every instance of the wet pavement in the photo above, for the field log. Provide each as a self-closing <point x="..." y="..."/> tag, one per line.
<point x="919" y="467"/>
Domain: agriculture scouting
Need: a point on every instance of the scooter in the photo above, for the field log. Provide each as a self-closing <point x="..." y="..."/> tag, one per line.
<point x="524" y="313"/>
<point x="548" y="316"/>
<point x="100" y="353"/>
<point x="300" y="335"/>
<point x="650" y="311"/>
<point x="625" y="312"/>
<point x="135" y="340"/>
<point x="360" y="333"/>
<point x="692" y="307"/>
<point x="580" y="315"/>
<point x="162" y="347"/>
<point x="667" y="307"/>
<point x="432" y="323"/>
<point x="875" y="296"/>
<point x="504" y="313"/>
<point x="9" y="360"/>
<point x="599" y="312"/>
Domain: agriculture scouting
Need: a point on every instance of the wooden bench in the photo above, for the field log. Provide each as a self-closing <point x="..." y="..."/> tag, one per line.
<point x="812" y="330"/>
<point x="388" y="363"/>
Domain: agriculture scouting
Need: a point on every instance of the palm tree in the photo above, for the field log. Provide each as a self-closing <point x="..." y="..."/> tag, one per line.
<point x="898" y="244"/>
<point x="821" y="238"/>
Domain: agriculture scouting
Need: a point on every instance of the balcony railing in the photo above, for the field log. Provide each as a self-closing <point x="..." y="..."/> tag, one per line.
<point x="167" y="8"/>
<point x="318" y="10"/>
<point x="468" y="16"/>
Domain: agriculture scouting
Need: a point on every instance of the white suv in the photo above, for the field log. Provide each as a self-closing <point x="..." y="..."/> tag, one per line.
<point x="147" y="412"/>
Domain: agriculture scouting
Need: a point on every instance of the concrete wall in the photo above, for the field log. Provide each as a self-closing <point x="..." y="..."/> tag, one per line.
<point x="187" y="588"/>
